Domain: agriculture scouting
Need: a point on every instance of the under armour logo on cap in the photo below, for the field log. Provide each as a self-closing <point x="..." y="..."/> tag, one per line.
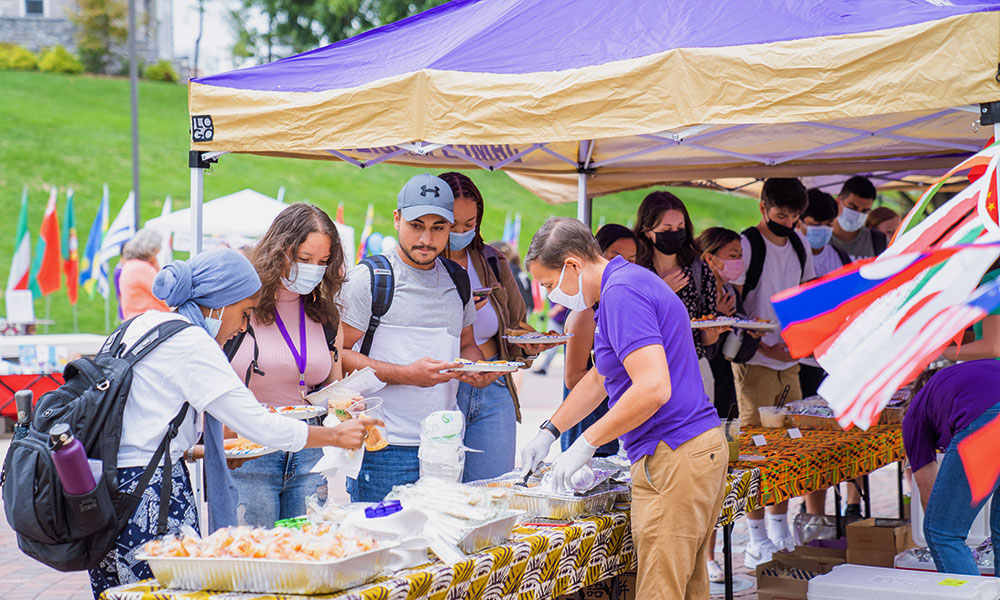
<point x="426" y="194"/>
<point x="424" y="190"/>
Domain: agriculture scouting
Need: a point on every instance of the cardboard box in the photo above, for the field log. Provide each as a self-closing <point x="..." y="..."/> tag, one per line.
<point x="602" y="589"/>
<point x="876" y="542"/>
<point x="787" y="575"/>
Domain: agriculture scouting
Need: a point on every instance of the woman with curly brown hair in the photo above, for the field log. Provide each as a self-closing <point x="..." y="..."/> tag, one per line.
<point x="296" y="324"/>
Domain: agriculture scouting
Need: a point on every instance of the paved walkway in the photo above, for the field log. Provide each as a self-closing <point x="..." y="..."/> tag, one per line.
<point x="22" y="578"/>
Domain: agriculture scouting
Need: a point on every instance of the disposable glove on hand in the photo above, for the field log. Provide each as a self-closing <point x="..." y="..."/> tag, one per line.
<point x="569" y="462"/>
<point x="536" y="451"/>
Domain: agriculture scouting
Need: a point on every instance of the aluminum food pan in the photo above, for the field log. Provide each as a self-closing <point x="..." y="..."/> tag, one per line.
<point x="563" y="507"/>
<point x="489" y="534"/>
<point x="265" y="576"/>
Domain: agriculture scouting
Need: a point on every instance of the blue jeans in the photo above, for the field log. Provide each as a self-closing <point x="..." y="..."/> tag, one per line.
<point x="490" y="426"/>
<point x="275" y="486"/>
<point x="380" y="471"/>
<point x="569" y="436"/>
<point x="950" y="511"/>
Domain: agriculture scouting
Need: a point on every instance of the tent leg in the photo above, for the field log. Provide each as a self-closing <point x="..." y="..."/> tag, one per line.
<point x="197" y="195"/>
<point x="584" y="205"/>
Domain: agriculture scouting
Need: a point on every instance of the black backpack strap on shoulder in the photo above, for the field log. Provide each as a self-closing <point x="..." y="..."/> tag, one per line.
<point x="113" y="345"/>
<point x="757" y="253"/>
<point x="153" y="338"/>
<point x="800" y="252"/>
<point x="845" y="259"/>
<point x="460" y="278"/>
<point x="382" y="286"/>
<point x="166" y="485"/>
<point x="491" y="259"/>
<point x="880" y="241"/>
<point x="330" y="334"/>
<point x="233" y="346"/>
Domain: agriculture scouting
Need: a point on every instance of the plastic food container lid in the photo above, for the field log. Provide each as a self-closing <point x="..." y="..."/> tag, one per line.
<point x="383" y="509"/>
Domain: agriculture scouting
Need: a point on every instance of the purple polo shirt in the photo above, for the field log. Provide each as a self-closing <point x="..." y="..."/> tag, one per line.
<point x="638" y="309"/>
<point x="950" y="401"/>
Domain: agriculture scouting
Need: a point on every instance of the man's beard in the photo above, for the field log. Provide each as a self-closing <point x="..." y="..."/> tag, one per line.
<point x="407" y="251"/>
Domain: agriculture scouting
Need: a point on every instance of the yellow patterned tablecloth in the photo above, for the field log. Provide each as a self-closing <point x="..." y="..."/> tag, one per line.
<point x="742" y="495"/>
<point x="538" y="563"/>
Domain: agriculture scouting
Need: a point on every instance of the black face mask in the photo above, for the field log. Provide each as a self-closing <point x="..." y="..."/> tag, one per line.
<point x="779" y="230"/>
<point x="670" y="242"/>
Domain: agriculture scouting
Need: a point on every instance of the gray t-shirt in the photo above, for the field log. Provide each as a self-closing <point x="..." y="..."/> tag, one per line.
<point x="426" y="318"/>
<point x="861" y="246"/>
<point x="420" y="298"/>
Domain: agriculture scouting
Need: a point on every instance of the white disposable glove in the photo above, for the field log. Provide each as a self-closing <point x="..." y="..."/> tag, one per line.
<point x="536" y="451"/>
<point x="569" y="462"/>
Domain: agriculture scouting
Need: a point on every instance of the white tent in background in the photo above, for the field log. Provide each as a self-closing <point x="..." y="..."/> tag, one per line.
<point x="235" y="220"/>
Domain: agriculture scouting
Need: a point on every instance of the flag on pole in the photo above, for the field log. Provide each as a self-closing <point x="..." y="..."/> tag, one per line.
<point x="122" y="229"/>
<point x="71" y="251"/>
<point x="166" y="254"/>
<point x="516" y="231"/>
<point x="47" y="277"/>
<point x="340" y="213"/>
<point x="20" y="264"/>
<point x="91" y="272"/>
<point x="365" y="232"/>
<point x="508" y="230"/>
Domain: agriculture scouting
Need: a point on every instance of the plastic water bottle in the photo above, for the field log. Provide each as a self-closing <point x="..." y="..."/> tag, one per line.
<point x="71" y="461"/>
<point x="23" y="400"/>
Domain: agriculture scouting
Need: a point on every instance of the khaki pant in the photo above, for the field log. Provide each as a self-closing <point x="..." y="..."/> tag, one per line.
<point x="760" y="386"/>
<point x="676" y="499"/>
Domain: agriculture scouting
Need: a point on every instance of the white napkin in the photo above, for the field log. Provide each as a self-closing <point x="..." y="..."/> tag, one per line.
<point x="362" y="382"/>
<point x="338" y="460"/>
<point x="405" y="527"/>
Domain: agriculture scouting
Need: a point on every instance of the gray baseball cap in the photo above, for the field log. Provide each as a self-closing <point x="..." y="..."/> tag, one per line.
<point x="426" y="195"/>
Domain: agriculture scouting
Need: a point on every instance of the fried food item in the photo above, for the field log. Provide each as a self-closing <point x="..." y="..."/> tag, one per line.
<point x="315" y="542"/>
<point x="522" y="328"/>
<point x="375" y="440"/>
<point x="340" y="405"/>
<point x="240" y="445"/>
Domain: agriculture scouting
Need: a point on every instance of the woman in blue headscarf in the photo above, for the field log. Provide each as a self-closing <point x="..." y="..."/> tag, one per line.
<point x="215" y="291"/>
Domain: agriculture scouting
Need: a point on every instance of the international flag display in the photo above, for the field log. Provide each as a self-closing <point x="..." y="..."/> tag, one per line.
<point x="48" y="255"/>
<point x="20" y="264"/>
<point x="71" y="251"/>
<point x="121" y="230"/>
<point x="365" y="232"/>
<point x="93" y="274"/>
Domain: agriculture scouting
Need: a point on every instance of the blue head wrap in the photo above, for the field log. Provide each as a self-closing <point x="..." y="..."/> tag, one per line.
<point x="212" y="279"/>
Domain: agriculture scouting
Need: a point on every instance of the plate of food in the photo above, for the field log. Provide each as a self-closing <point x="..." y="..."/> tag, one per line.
<point x="526" y="334"/>
<point x="487" y="366"/>
<point x="244" y="448"/>
<point x="756" y="324"/>
<point x="713" y="321"/>
<point x="298" y="411"/>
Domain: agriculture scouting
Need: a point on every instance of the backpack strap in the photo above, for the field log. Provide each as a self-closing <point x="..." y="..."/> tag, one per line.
<point x="460" y="277"/>
<point x="383" y="283"/>
<point x="757" y="253"/>
<point x="696" y="278"/>
<point x="113" y="345"/>
<point x="330" y="334"/>
<point x="233" y="346"/>
<point x="491" y="259"/>
<point x="800" y="252"/>
<point x="153" y="338"/>
<point x="879" y="241"/>
<point x="845" y="259"/>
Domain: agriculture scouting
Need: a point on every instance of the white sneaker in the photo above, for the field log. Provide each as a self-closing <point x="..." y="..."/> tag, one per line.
<point x="716" y="574"/>
<point x="785" y="544"/>
<point x="757" y="554"/>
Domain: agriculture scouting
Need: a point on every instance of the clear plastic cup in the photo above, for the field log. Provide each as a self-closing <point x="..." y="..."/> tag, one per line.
<point x="732" y="431"/>
<point x="771" y="417"/>
<point x="378" y="437"/>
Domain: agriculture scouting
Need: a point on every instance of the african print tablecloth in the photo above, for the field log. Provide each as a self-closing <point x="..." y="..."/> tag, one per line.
<point x="818" y="460"/>
<point x="538" y="563"/>
<point x="742" y="495"/>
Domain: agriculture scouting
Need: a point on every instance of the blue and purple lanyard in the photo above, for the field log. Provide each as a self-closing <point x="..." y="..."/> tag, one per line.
<point x="300" y="359"/>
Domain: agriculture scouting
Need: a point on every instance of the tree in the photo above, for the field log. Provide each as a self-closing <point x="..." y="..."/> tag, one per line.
<point x="292" y="26"/>
<point x="100" y="26"/>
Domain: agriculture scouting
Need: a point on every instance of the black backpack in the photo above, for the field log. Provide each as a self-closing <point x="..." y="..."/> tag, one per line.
<point x="72" y="533"/>
<point x="383" y="284"/>
<point x="758" y="251"/>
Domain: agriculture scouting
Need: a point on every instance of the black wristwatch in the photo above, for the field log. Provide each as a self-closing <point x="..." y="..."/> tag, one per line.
<point x="548" y="426"/>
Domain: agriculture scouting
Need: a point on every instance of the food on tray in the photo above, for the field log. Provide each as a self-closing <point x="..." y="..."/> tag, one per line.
<point x="521" y="328"/>
<point x="339" y="406"/>
<point x="375" y="440"/>
<point x="240" y="445"/>
<point x="314" y="542"/>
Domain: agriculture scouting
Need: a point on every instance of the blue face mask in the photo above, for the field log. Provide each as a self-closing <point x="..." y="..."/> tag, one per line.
<point x="212" y="325"/>
<point x="459" y="241"/>
<point x="818" y="235"/>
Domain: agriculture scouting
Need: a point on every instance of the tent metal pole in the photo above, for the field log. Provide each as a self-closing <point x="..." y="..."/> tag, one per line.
<point x="584" y="205"/>
<point x="197" y="194"/>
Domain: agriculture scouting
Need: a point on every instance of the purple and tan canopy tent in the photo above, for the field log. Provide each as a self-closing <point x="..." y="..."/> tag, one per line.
<point x="579" y="98"/>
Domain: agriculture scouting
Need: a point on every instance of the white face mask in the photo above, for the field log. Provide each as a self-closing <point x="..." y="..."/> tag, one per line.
<point x="574" y="302"/>
<point x="212" y="325"/>
<point x="303" y="278"/>
<point x="851" y="220"/>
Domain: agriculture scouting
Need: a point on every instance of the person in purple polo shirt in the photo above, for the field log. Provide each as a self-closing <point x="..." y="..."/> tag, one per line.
<point x="647" y="366"/>
<point x="953" y="403"/>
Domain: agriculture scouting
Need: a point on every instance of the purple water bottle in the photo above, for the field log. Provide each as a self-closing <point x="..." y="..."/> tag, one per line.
<point x="71" y="461"/>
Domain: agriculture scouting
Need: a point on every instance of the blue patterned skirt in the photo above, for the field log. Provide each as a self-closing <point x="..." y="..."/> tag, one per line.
<point x="120" y="565"/>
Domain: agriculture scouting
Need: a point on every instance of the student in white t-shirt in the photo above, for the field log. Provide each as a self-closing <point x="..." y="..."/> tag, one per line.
<point x="785" y="263"/>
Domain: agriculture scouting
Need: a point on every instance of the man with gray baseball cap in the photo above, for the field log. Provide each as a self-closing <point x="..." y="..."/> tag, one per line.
<point x="415" y="342"/>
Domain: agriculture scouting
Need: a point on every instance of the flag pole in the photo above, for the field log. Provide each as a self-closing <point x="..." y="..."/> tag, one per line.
<point x="107" y="314"/>
<point x="76" y="326"/>
<point x="48" y="309"/>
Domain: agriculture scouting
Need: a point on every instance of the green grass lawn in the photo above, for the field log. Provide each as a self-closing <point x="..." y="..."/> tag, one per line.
<point x="74" y="131"/>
